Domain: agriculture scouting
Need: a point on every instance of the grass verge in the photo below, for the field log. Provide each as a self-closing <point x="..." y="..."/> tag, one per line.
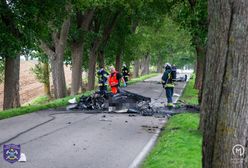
<point x="179" y="145"/>
<point x="41" y="103"/>
<point x="190" y="95"/>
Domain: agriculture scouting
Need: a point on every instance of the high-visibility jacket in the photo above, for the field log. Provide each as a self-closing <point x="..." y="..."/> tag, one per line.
<point x="167" y="80"/>
<point x="113" y="81"/>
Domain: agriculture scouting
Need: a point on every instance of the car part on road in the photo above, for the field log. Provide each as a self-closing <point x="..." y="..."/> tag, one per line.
<point x="127" y="102"/>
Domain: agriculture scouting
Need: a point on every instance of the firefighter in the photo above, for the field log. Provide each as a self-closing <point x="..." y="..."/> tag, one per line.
<point x="125" y="73"/>
<point x="167" y="82"/>
<point x="114" y="80"/>
<point x="102" y="80"/>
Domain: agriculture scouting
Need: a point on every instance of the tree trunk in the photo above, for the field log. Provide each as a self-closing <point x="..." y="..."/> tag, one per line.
<point x="77" y="60"/>
<point x="225" y="103"/>
<point x="108" y="28"/>
<point x="136" y="68"/>
<point x="148" y="61"/>
<point x="56" y="57"/>
<point x="118" y="62"/>
<point x="11" y="83"/>
<point x="57" y="67"/>
<point x="145" y="65"/>
<point x="160" y="64"/>
<point x="47" y="83"/>
<point x="200" y="52"/>
<point x="83" y="23"/>
<point x="101" y="59"/>
<point x="92" y="68"/>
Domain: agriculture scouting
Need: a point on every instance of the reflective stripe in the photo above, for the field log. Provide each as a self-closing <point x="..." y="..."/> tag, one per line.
<point x="170" y="104"/>
<point x="169" y="85"/>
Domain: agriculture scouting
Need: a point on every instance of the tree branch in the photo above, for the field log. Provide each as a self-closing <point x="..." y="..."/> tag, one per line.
<point x="47" y="49"/>
<point x="87" y="19"/>
<point x="64" y="31"/>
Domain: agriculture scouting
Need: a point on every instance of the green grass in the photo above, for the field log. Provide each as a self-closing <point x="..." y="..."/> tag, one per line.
<point x="190" y="95"/>
<point x="179" y="145"/>
<point x="33" y="108"/>
<point x="38" y="101"/>
<point x="43" y="102"/>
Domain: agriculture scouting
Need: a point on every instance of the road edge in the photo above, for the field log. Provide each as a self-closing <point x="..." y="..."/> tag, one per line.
<point x="148" y="147"/>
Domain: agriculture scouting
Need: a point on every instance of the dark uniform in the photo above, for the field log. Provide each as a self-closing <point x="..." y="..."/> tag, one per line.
<point x="168" y="84"/>
<point x="125" y="73"/>
<point x="102" y="80"/>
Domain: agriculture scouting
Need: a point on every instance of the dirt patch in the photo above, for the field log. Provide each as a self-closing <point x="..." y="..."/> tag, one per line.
<point x="30" y="87"/>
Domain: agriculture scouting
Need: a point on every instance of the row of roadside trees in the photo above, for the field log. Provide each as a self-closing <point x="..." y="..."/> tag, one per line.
<point x="86" y="34"/>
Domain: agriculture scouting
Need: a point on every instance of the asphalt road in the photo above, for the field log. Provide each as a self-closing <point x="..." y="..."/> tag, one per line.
<point x="63" y="139"/>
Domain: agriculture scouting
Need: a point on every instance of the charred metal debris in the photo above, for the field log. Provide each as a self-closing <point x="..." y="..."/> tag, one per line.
<point x="126" y="102"/>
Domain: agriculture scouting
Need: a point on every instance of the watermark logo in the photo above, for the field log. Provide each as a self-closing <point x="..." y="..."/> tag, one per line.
<point x="238" y="150"/>
<point x="11" y="153"/>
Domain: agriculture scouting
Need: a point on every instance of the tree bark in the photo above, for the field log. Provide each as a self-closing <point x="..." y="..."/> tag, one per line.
<point x="118" y="62"/>
<point x="77" y="54"/>
<point x="200" y="52"/>
<point x="56" y="57"/>
<point x="145" y="64"/>
<point x="136" y="68"/>
<point x="95" y="46"/>
<point x="225" y="101"/>
<point x="160" y="63"/>
<point x="83" y="22"/>
<point x="47" y="84"/>
<point x="92" y="66"/>
<point x="11" y="83"/>
<point x="101" y="59"/>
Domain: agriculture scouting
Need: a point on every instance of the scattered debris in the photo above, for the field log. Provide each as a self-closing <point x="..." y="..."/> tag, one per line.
<point x="72" y="101"/>
<point x="132" y="115"/>
<point x="104" y="119"/>
<point x="150" y="129"/>
<point x="127" y="102"/>
<point x="71" y="106"/>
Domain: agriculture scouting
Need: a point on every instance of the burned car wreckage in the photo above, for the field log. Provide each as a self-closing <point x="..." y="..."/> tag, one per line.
<point x="123" y="102"/>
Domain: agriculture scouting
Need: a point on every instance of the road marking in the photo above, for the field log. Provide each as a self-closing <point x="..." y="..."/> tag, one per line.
<point x="142" y="155"/>
<point x="148" y="147"/>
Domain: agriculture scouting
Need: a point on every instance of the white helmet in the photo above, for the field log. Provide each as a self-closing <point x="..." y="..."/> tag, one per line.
<point x="167" y="64"/>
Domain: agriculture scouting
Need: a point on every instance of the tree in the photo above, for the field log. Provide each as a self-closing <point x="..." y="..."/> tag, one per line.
<point x="224" y="104"/>
<point x="21" y="22"/>
<point x="83" y="22"/>
<point x="55" y="53"/>
<point x="106" y="26"/>
<point x="12" y="40"/>
<point x="192" y="16"/>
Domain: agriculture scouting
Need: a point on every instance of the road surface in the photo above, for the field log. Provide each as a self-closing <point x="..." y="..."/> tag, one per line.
<point x="63" y="139"/>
